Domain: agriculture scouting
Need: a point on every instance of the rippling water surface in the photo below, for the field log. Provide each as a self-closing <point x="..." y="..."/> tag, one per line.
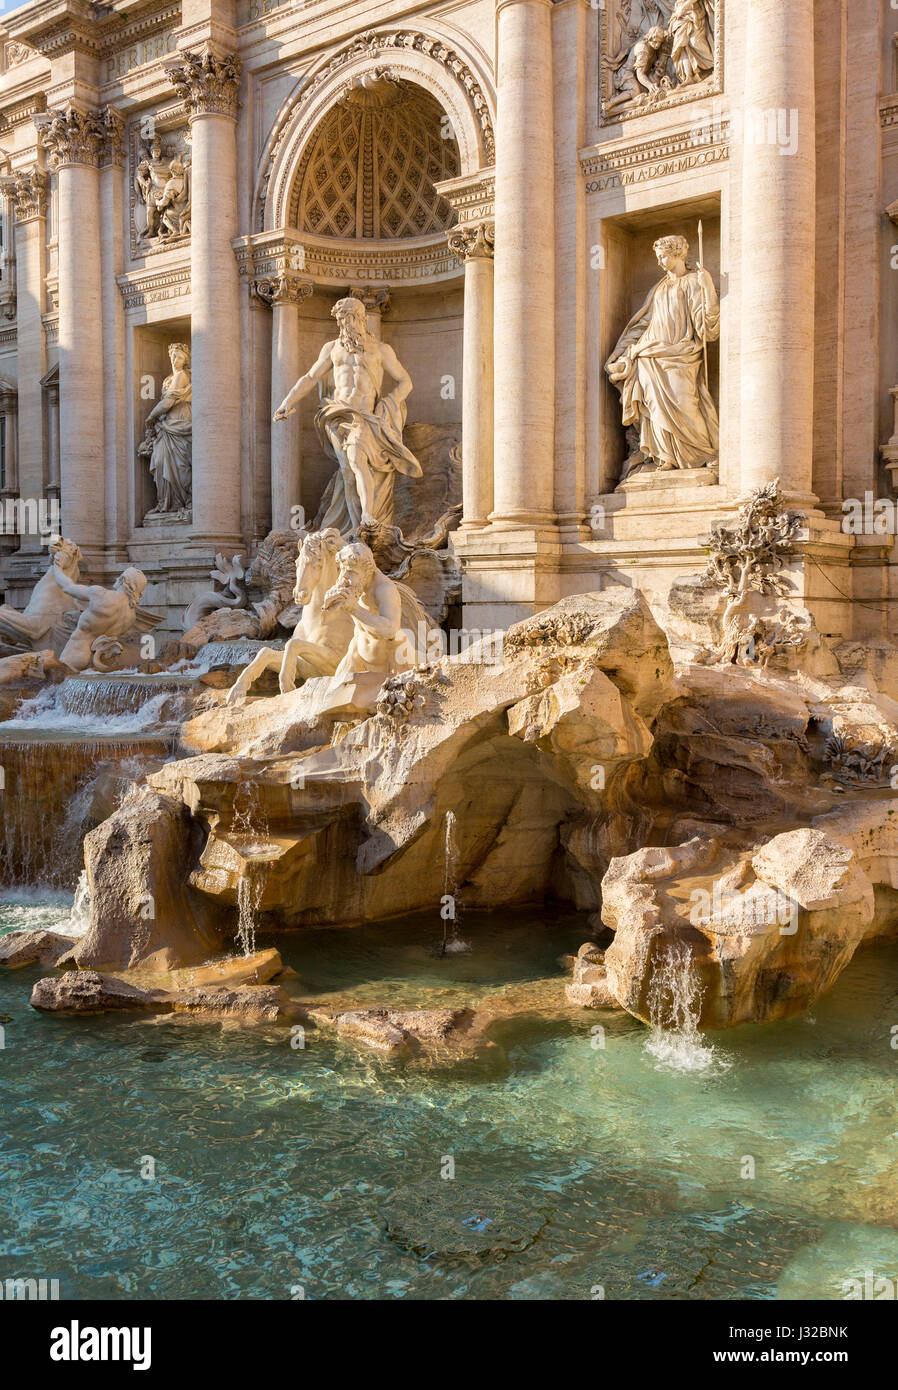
<point x="580" y="1169"/>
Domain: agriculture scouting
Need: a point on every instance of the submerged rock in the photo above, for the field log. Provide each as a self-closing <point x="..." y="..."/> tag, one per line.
<point x="391" y="1030"/>
<point x="372" y="1028"/>
<point x="89" y="991"/>
<point x="589" y="987"/>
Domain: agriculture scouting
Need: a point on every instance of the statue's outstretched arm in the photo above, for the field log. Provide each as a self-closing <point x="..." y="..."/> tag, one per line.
<point x="315" y="374"/>
<point x="82" y="591"/>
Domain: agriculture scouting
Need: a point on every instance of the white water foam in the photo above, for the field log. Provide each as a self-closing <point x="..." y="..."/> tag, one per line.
<point x="43" y="714"/>
<point x="675" y="999"/>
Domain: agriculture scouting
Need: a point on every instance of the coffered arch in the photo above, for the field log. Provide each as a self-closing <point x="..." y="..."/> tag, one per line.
<point x="412" y="60"/>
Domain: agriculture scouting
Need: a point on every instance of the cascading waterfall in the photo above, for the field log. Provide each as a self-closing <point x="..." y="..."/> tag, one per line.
<point x="79" y="919"/>
<point x="80" y="708"/>
<point x="91" y="697"/>
<point x="48" y="786"/>
<point x="675" y="1001"/>
<point x="249" y="828"/>
<point x="249" y="895"/>
<point x="59" y="758"/>
<point x="236" y="653"/>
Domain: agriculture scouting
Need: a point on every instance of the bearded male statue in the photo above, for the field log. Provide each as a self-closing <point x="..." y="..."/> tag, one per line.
<point x="359" y="425"/>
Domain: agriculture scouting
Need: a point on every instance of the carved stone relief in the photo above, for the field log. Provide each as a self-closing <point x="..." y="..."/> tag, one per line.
<point x="160" y="189"/>
<point x="657" y="53"/>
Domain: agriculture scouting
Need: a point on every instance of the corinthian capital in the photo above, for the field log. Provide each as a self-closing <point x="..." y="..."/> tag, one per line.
<point x="73" y="136"/>
<point x="29" y="193"/>
<point x="208" y="84"/>
<point x="114" y="132"/>
<point x="281" y="288"/>
<point x="473" y="242"/>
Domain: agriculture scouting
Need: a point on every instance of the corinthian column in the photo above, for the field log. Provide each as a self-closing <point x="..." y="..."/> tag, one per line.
<point x="778" y="231"/>
<point x="284" y="293"/>
<point x="112" y="260"/>
<point x="74" y="140"/>
<point x="209" y="86"/>
<point x="30" y="204"/>
<point x="524" y="320"/>
<point x="474" y="246"/>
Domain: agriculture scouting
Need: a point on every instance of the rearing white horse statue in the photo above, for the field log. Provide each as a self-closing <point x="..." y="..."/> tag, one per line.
<point x="320" y="639"/>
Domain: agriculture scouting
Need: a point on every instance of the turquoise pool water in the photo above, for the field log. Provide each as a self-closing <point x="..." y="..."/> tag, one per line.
<point x="579" y="1170"/>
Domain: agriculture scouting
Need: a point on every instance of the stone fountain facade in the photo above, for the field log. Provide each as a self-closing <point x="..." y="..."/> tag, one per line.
<point x="187" y="190"/>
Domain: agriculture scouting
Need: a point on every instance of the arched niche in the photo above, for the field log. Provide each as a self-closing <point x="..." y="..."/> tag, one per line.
<point x="418" y="59"/>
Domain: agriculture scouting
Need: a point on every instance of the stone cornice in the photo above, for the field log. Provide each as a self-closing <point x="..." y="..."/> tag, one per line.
<point x="208" y="84"/>
<point x="154" y="286"/>
<point x="23" y="110"/>
<point x="329" y="263"/>
<point x="673" y="152"/>
<point x="472" y="196"/>
<point x="56" y="27"/>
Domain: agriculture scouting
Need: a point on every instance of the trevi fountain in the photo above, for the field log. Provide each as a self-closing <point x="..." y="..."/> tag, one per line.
<point x="449" y="650"/>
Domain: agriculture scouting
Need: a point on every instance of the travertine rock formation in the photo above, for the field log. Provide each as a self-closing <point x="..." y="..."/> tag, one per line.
<point x="143" y="911"/>
<point x="733" y="826"/>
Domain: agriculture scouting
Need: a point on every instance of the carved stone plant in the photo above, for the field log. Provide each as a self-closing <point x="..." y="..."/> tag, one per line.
<point x="746" y="561"/>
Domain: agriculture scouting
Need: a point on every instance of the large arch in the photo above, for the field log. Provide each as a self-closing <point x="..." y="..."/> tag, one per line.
<point x="416" y="57"/>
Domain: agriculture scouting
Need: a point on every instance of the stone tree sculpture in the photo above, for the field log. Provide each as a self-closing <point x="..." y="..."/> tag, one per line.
<point x="168" y="439"/>
<point x="746" y="562"/>
<point x="659" y="365"/>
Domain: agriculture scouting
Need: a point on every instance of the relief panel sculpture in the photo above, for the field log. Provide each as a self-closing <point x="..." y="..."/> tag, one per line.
<point x="658" y="52"/>
<point x="160" y="194"/>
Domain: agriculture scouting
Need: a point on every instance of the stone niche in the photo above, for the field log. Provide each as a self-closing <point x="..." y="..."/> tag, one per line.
<point x="424" y="327"/>
<point x="151" y="367"/>
<point x="629" y="270"/>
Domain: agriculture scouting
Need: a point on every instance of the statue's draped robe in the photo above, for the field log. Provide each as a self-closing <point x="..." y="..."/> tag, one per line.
<point x="691" y="52"/>
<point x="379" y="436"/>
<point x="171" y="458"/>
<point x="664" y="392"/>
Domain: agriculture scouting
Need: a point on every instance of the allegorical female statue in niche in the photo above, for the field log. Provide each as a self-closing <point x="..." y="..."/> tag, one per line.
<point x="167" y="442"/>
<point x="659" y="366"/>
